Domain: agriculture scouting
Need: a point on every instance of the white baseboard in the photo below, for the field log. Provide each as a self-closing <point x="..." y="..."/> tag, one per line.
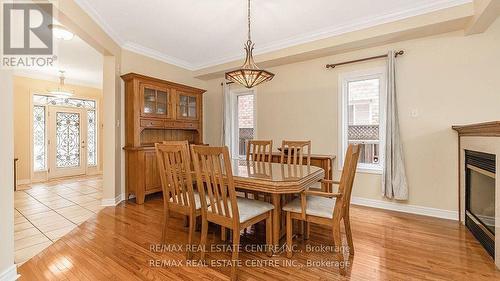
<point x="23" y="181"/>
<point x="10" y="274"/>
<point x="113" y="201"/>
<point x="405" y="208"/>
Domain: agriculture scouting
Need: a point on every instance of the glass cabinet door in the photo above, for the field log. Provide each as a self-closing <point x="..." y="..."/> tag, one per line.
<point x="155" y="101"/>
<point x="162" y="102"/>
<point x="149" y="101"/>
<point x="188" y="106"/>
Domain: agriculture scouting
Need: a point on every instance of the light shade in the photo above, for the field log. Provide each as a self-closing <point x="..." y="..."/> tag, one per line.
<point x="249" y="75"/>
<point x="61" y="93"/>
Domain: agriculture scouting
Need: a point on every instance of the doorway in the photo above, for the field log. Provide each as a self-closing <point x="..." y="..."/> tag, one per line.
<point x="64" y="137"/>
<point x="66" y="143"/>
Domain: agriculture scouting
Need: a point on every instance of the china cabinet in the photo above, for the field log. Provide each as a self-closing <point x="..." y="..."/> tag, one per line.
<point x="156" y="110"/>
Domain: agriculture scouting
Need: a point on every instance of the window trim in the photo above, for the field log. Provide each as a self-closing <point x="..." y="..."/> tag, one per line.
<point x="344" y="79"/>
<point x="234" y="118"/>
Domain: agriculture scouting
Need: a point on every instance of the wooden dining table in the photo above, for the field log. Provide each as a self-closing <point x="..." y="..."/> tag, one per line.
<point x="274" y="179"/>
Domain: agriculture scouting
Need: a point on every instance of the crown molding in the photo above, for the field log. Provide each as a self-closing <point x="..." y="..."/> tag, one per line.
<point x="137" y="48"/>
<point x="339" y="30"/>
<point x="87" y="7"/>
<point x="273" y="46"/>
<point x="54" y="78"/>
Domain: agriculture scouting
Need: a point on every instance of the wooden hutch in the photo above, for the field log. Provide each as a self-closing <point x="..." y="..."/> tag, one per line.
<point x="155" y="111"/>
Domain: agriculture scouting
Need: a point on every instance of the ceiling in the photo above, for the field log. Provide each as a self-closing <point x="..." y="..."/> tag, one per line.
<point x="200" y="33"/>
<point x="82" y="64"/>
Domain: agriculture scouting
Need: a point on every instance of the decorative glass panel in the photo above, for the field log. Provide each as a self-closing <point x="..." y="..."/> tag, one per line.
<point x="72" y="102"/>
<point x="161" y="106"/>
<point x="39" y="151"/>
<point x="92" y="138"/>
<point x="68" y="140"/>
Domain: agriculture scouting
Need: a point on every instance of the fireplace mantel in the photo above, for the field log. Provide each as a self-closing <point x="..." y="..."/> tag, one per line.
<point x="487" y="129"/>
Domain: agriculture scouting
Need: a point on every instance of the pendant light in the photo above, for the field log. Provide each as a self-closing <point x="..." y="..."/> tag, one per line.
<point x="60" y="91"/>
<point x="249" y="75"/>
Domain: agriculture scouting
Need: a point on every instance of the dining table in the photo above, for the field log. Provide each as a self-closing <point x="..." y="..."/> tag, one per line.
<point x="275" y="180"/>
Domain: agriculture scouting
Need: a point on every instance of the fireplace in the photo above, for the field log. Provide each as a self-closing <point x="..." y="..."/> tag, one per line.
<point x="480" y="197"/>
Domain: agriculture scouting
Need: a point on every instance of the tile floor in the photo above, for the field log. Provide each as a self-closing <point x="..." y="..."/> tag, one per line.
<point x="44" y="212"/>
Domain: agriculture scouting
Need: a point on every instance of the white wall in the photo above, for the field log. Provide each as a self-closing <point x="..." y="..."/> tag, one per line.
<point x="7" y="267"/>
<point x="449" y="79"/>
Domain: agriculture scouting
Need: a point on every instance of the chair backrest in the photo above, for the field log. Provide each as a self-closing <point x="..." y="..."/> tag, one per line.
<point x="214" y="177"/>
<point x="260" y="150"/>
<point x="292" y="152"/>
<point x="347" y="179"/>
<point x="175" y="173"/>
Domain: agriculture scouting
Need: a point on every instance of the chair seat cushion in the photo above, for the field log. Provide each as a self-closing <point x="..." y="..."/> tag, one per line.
<point x="248" y="208"/>
<point x="197" y="202"/>
<point x="316" y="206"/>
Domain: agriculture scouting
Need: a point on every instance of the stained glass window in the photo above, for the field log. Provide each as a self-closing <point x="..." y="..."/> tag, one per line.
<point x="73" y="102"/>
<point x="39" y="148"/>
<point x="67" y="140"/>
<point x="39" y="134"/>
<point x="92" y="138"/>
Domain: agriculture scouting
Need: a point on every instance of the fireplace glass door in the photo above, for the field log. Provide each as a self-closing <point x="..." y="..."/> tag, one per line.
<point x="480" y="186"/>
<point x="482" y="197"/>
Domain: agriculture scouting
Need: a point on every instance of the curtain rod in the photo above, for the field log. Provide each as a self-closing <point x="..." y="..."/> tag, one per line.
<point x="229" y="83"/>
<point x="333" y="65"/>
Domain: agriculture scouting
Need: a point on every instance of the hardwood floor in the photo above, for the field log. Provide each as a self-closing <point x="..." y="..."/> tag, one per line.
<point x="115" y="245"/>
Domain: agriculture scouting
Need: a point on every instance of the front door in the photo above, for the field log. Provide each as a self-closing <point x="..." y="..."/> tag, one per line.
<point x="67" y="142"/>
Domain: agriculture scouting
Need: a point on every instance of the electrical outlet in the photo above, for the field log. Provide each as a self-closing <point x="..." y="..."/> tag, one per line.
<point x="414" y="113"/>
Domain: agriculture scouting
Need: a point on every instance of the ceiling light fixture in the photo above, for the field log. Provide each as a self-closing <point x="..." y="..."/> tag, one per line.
<point x="249" y="75"/>
<point x="60" y="91"/>
<point x="61" y="32"/>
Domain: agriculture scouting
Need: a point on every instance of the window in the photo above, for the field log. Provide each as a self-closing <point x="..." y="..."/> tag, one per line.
<point x="243" y="104"/>
<point x="39" y="137"/>
<point x="362" y="99"/>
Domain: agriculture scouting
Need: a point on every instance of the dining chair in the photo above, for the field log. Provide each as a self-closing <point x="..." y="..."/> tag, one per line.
<point x="259" y="151"/>
<point x="292" y="152"/>
<point x="214" y="178"/>
<point x="179" y="195"/>
<point x="326" y="208"/>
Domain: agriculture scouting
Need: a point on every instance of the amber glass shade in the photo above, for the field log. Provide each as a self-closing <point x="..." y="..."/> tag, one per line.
<point x="249" y="75"/>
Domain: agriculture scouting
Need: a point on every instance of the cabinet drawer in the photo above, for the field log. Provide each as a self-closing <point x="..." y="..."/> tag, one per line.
<point x="170" y="124"/>
<point x="150" y="123"/>
<point x="187" y="125"/>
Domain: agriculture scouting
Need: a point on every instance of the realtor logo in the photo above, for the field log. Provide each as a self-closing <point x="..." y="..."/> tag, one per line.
<point x="26" y="29"/>
<point x="27" y="39"/>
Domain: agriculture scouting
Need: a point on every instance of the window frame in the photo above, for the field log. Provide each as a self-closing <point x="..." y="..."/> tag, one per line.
<point x="234" y="119"/>
<point x="344" y="80"/>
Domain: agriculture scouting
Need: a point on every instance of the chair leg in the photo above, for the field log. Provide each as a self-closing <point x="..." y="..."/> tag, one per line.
<point x="301" y="229"/>
<point x="307" y="230"/>
<point x="192" y="226"/>
<point x="269" y="234"/>
<point x="338" y="241"/>
<point x="234" y="264"/>
<point x="165" y="225"/>
<point x="203" y="241"/>
<point x="289" y="234"/>
<point x="223" y="233"/>
<point x="348" y="233"/>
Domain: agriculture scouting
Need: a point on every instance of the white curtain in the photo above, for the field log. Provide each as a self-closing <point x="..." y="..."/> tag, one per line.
<point x="394" y="183"/>
<point x="226" y="116"/>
